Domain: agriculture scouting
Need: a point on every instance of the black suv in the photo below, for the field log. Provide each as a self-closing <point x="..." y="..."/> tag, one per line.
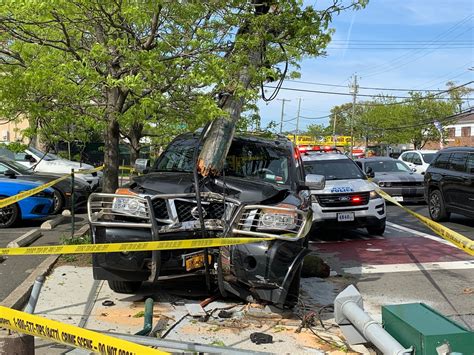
<point x="262" y="192"/>
<point x="449" y="183"/>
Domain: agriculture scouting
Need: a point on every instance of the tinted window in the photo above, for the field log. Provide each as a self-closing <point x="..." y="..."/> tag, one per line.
<point x="3" y="168"/>
<point x="417" y="159"/>
<point x="470" y="164"/>
<point x="428" y="157"/>
<point x="387" y="166"/>
<point x="442" y="161"/>
<point x="408" y="157"/>
<point x="338" y="169"/>
<point x="246" y="159"/>
<point x="457" y="162"/>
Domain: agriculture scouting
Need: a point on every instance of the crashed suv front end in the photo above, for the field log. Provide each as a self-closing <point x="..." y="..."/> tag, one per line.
<point x="277" y="216"/>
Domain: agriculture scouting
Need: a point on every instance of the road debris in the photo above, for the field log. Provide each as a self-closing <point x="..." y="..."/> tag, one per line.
<point x="261" y="338"/>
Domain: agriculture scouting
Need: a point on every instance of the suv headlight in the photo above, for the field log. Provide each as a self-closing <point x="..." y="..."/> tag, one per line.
<point x="374" y="195"/>
<point x="385" y="183"/>
<point x="128" y="204"/>
<point x="274" y="219"/>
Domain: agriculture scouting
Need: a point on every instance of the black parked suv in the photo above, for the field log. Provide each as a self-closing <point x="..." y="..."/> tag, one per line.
<point x="262" y="192"/>
<point x="449" y="183"/>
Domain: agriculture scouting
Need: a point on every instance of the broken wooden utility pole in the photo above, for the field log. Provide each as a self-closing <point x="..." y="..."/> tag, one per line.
<point x="219" y="136"/>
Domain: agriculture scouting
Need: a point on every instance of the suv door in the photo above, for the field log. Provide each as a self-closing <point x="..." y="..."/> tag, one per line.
<point x="408" y="159"/>
<point x="417" y="162"/>
<point x="469" y="183"/>
<point x="453" y="180"/>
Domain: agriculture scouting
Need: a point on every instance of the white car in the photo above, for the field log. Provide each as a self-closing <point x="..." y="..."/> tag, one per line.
<point x="418" y="160"/>
<point x="349" y="199"/>
<point x="42" y="162"/>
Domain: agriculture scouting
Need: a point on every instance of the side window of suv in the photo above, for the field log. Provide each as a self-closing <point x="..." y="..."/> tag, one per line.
<point x="417" y="159"/>
<point x="457" y="162"/>
<point x="442" y="161"/>
<point x="470" y="164"/>
<point x="408" y="157"/>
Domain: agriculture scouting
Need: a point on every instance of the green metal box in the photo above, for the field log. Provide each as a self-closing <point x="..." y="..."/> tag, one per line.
<point x="417" y="325"/>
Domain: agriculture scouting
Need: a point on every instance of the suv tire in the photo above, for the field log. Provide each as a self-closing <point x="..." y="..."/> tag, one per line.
<point x="378" y="229"/>
<point x="436" y="207"/>
<point x="293" y="294"/>
<point x="124" y="286"/>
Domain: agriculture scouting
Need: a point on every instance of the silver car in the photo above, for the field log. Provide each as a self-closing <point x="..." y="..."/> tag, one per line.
<point x="395" y="178"/>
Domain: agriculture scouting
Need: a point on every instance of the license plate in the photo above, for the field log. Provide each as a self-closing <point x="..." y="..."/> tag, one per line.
<point x="398" y="198"/>
<point x="195" y="261"/>
<point x="345" y="217"/>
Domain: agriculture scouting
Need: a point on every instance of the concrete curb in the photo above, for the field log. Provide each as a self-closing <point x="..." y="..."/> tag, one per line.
<point x="19" y="296"/>
<point x="51" y="223"/>
<point x="82" y="231"/>
<point x="25" y="239"/>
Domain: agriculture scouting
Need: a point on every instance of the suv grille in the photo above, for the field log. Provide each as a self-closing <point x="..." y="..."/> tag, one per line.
<point x="213" y="210"/>
<point x="160" y="208"/>
<point x="407" y="183"/>
<point x="344" y="200"/>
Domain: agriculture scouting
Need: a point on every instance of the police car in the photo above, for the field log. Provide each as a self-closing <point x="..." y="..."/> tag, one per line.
<point x="349" y="199"/>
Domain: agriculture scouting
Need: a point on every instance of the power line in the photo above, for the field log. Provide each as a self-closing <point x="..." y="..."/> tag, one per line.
<point x="409" y="55"/>
<point x="409" y="98"/>
<point x="360" y="87"/>
<point x="431" y="120"/>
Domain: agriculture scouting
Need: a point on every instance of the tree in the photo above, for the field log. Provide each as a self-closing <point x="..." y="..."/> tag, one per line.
<point x="113" y="65"/>
<point x="319" y="131"/>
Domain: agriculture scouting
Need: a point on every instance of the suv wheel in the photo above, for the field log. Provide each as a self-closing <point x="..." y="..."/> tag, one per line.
<point x="436" y="207"/>
<point x="124" y="286"/>
<point x="378" y="229"/>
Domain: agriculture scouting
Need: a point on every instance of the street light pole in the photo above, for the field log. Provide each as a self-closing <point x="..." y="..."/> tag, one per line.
<point x="282" y="112"/>
<point x="334" y="128"/>
<point x="354" y="88"/>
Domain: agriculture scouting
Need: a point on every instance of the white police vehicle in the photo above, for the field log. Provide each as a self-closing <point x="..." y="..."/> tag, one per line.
<point x="349" y="199"/>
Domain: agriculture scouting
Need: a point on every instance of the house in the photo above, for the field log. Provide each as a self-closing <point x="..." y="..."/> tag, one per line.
<point x="461" y="133"/>
<point x="12" y="130"/>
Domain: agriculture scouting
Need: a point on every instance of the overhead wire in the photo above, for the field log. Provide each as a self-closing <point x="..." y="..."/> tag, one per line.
<point x="400" y="60"/>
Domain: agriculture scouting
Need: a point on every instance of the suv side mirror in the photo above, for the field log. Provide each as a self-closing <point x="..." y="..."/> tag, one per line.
<point x="369" y="172"/>
<point x="315" y="182"/>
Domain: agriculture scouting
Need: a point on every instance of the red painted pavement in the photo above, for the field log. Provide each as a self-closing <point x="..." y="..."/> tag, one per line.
<point x="391" y="250"/>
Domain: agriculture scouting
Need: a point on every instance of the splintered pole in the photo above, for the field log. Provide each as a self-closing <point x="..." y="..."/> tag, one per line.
<point x="218" y="137"/>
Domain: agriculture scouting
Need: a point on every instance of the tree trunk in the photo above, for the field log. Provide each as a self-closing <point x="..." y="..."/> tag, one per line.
<point x="111" y="156"/>
<point x="136" y="132"/>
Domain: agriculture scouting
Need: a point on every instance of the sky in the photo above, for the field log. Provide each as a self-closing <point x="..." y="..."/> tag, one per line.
<point x="419" y="44"/>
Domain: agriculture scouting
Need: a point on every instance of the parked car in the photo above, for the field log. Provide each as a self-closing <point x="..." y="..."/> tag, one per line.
<point x="38" y="161"/>
<point x="36" y="206"/>
<point x="449" y="183"/>
<point x="261" y="193"/>
<point x="418" y="160"/>
<point x="349" y="199"/>
<point x="62" y="190"/>
<point x="395" y="178"/>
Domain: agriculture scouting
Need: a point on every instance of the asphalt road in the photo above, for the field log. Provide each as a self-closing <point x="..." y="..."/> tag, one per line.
<point x="409" y="263"/>
<point x="15" y="269"/>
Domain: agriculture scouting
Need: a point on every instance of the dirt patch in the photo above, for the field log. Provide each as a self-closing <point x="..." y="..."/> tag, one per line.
<point x="79" y="260"/>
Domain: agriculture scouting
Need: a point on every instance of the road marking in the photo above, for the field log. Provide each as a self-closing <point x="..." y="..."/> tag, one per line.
<point x="421" y="234"/>
<point x="382" y="269"/>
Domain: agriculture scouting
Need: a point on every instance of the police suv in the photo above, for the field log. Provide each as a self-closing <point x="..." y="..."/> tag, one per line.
<point x="349" y="199"/>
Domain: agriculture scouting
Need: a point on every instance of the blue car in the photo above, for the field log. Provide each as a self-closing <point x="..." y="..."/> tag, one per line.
<point x="36" y="206"/>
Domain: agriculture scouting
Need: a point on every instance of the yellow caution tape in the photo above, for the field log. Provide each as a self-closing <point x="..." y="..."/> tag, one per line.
<point x="69" y="334"/>
<point x="24" y="194"/>
<point x="88" y="171"/>
<point x="451" y="236"/>
<point x="134" y="246"/>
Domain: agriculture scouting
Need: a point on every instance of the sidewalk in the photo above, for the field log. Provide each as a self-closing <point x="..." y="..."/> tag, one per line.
<point x="70" y="295"/>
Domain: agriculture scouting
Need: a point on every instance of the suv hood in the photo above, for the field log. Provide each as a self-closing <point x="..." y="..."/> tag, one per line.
<point x="402" y="176"/>
<point x="245" y="190"/>
<point x="341" y="186"/>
